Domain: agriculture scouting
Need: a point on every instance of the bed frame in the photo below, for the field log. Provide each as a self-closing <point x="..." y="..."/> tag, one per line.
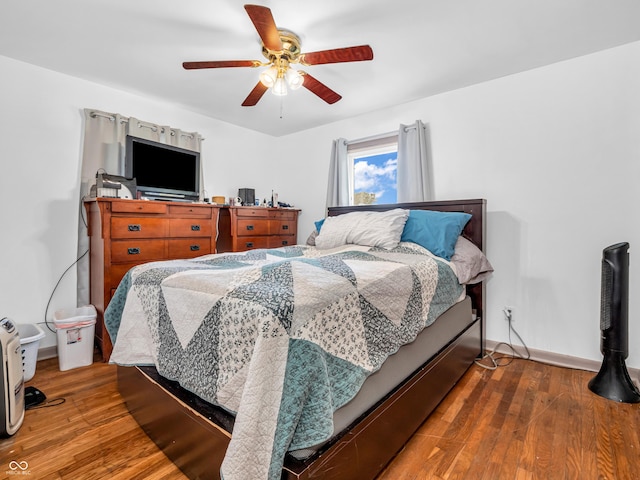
<point x="194" y="434"/>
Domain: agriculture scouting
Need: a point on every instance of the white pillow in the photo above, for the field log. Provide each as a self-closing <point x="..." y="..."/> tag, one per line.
<point x="471" y="264"/>
<point x="372" y="229"/>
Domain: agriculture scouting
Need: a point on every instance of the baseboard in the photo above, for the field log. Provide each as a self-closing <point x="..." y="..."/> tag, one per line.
<point x="556" y="359"/>
<point x="542" y="356"/>
<point x="47" y="352"/>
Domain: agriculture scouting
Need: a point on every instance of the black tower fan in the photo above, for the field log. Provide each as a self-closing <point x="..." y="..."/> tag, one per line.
<point x="613" y="381"/>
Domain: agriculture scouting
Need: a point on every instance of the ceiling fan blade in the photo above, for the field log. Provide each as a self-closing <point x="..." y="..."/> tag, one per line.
<point x="265" y="25"/>
<point x="255" y="95"/>
<point x="320" y="89"/>
<point x="220" y="64"/>
<point x="360" y="53"/>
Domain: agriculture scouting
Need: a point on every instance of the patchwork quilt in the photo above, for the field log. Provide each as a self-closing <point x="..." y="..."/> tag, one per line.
<point x="280" y="337"/>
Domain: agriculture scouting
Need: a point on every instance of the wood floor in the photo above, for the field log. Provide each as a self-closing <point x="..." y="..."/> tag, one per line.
<point x="523" y="421"/>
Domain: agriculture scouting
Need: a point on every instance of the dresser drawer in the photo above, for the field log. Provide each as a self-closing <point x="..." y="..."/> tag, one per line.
<point x="138" y="251"/>
<point x="190" y="211"/>
<point x="250" y="243"/>
<point x="118" y="271"/>
<point x="276" y="241"/>
<point x="283" y="214"/>
<point x="282" y="227"/>
<point x="139" y="227"/>
<point x="190" y="227"/>
<point x="138" y="207"/>
<point x="251" y="227"/>
<point x="252" y="212"/>
<point x="189" y="247"/>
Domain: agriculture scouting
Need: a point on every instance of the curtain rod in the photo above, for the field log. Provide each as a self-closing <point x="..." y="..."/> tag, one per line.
<point x="110" y="117"/>
<point x="380" y="136"/>
<point x="141" y="124"/>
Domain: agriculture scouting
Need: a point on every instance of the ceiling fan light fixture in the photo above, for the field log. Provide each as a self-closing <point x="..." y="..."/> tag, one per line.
<point x="269" y="76"/>
<point x="279" y="87"/>
<point x="294" y="79"/>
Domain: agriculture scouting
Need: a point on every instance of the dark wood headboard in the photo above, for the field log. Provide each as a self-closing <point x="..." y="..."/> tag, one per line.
<point x="475" y="230"/>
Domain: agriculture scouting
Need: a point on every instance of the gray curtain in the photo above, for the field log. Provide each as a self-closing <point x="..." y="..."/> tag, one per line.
<point x="415" y="182"/>
<point x="340" y="183"/>
<point x="104" y="149"/>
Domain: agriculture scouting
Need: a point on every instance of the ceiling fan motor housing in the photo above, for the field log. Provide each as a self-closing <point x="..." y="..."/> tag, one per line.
<point x="290" y="47"/>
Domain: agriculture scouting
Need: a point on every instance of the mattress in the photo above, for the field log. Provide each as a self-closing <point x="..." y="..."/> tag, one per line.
<point x="399" y="366"/>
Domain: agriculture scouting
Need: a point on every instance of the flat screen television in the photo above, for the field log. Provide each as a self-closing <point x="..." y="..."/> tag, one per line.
<point x="162" y="172"/>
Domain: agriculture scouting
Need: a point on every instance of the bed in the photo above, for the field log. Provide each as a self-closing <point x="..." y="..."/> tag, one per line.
<point x="317" y="407"/>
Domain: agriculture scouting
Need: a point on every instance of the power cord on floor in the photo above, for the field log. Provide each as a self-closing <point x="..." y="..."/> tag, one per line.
<point x="34" y="398"/>
<point x="496" y="360"/>
<point x="54" y="402"/>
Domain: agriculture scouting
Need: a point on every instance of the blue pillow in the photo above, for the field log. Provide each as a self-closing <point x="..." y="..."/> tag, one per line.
<point x="435" y="231"/>
<point x="319" y="224"/>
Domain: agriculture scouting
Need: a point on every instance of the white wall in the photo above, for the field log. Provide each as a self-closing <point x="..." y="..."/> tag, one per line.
<point x="555" y="151"/>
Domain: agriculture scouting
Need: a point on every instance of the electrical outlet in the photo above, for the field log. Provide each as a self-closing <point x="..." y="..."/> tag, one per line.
<point x="508" y="313"/>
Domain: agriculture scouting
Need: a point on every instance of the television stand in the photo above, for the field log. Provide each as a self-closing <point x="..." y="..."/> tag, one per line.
<point x="167" y="197"/>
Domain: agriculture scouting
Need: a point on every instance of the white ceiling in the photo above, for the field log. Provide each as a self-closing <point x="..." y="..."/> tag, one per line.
<point x="421" y="48"/>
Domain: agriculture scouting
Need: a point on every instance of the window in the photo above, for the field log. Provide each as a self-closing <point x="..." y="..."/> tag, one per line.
<point x="374" y="165"/>
<point x="411" y="168"/>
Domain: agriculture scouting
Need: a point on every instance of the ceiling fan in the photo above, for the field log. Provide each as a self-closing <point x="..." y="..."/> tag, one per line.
<point x="281" y="48"/>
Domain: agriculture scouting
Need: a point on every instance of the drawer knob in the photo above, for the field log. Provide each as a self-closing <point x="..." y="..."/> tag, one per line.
<point x="249" y="227"/>
<point x="134" y="227"/>
<point x="285" y="242"/>
<point x="195" y="248"/>
<point x="195" y="228"/>
<point x="285" y="227"/>
<point x="249" y="244"/>
<point x="133" y="251"/>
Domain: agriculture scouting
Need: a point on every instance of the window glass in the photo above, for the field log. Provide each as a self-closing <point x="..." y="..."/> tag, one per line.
<point x="374" y="175"/>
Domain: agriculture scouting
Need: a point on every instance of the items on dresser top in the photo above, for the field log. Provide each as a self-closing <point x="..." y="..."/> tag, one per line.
<point x="247" y="196"/>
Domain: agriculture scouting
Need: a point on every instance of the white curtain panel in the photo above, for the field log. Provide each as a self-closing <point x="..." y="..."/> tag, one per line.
<point x="104" y="150"/>
<point x="340" y="184"/>
<point x="103" y="145"/>
<point x="415" y="182"/>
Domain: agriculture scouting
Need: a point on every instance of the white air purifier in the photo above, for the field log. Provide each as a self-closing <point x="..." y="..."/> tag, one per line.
<point x="12" y="386"/>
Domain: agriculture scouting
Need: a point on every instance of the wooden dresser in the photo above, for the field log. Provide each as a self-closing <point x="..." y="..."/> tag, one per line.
<point x="246" y="228"/>
<point x="125" y="233"/>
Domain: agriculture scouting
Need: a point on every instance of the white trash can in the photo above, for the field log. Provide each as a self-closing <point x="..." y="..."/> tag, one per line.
<point x="75" y="328"/>
<point x="30" y="336"/>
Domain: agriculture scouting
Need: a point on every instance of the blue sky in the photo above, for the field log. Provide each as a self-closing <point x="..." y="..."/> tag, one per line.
<point x="377" y="174"/>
